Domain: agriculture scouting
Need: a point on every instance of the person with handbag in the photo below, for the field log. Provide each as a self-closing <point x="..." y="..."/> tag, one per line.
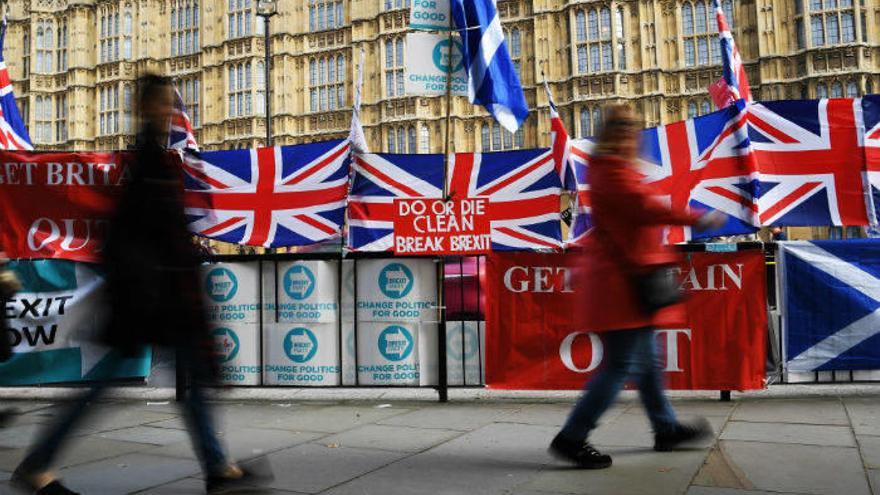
<point x="632" y="284"/>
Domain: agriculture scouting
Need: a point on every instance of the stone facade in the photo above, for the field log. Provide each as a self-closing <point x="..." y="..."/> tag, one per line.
<point x="74" y="62"/>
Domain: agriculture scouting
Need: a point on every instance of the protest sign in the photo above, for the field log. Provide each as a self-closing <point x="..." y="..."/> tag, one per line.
<point x="436" y="226"/>
<point x="236" y="346"/>
<point x="431" y="15"/>
<point x="429" y="65"/>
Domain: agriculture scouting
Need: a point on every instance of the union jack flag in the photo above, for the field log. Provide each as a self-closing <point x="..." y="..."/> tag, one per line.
<point x="811" y="161"/>
<point x="13" y="133"/>
<point x="377" y="180"/>
<point x="272" y="197"/>
<point x="733" y="85"/>
<point x="576" y="181"/>
<point x="523" y="189"/>
<point x="871" y="116"/>
<point x="180" y="134"/>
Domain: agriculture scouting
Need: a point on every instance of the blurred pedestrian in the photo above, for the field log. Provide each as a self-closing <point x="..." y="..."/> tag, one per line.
<point x="9" y="285"/>
<point x="152" y="271"/>
<point x="629" y="277"/>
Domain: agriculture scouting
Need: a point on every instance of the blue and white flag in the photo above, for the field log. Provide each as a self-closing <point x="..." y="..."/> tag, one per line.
<point x="492" y="77"/>
<point x="831" y="305"/>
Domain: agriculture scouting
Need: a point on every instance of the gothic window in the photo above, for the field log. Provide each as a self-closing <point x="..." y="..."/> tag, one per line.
<point x="240" y="20"/>
<point x="61" y="51"/>
<point x="45" y="47"/>
<point x="184" y="27"/>
<point x="496" y="138"/>
<point x="327" y="83"/>
<point x="821" y="91"/>
<point x="700" y="31"/>
<point x="596" y="40"/>
<point x="852" y="89"/>
<point x="514" y="40"/>
<point x="325" y="14"/>
<point x="394" y="67"/>
<point x="831" y="22"/>
<point x="239" y="94"/>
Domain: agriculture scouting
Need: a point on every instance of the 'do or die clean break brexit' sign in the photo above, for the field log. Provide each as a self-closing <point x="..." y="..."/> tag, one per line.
<point x="437" y="226"/>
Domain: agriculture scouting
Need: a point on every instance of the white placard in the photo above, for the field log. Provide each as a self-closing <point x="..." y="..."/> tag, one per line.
<point x="470" y="358"/>
<point x="238" y="351"/>
<point x="306" y="292"/>
<point x="397" y="290"/>
<point x="388" y="354"/>
<point x="230" y="292"/>
<point x="302" y="354"/>
<point x="427" y="65"/>
<point x="432" y="15"/>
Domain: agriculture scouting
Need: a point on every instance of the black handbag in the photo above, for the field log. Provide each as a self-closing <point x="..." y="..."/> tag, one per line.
<point x="659" y="288"/>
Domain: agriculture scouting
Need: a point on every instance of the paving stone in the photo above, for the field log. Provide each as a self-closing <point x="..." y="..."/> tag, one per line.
<point x="696" y="407"/>
<point x="864" y="414"/>
<point x="634" y="430"/>
<point x="494" y="459"/>
<point x="812" y="411"/>
<point x="5" y="475"/>
<point x="10" y="458"/>
<point x="553" y="414"/>
<point x="874" y="477"/>
<point x="193" y="486"/>
<point x="789" y="433"/>
<point x="869" y="446"/>
<point x="706" y="490"/>
<point x="788" y="468"/>
<point x="331" y="419"/>
<point x="174" y="423"/>
<point x="311" y="468"/>
<point x="397" y="438"/>
<point x="243" y="443"/>
<point x="18" y="436"/>
<point x="636" y="471"/>
<point x="102" y="416"/>
<point x="146" y="434"/>
<point x="452" y="417"/>
<point x="126" y="474"/>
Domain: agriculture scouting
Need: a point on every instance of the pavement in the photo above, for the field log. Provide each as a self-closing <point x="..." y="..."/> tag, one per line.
<point x="824" y="440"/>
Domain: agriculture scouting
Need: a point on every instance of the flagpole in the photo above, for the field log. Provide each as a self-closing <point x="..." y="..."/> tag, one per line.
<point x="448" y="137"/>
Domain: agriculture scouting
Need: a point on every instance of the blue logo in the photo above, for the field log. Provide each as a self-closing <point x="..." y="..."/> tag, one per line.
<point x="300" y="345"/>
<point x="441" y="56"/>
<point x="395" y="280"/>
<point x="221" y="284"/>
<point x="299" y="282"/>
<point x="395" y="343"/>
<point x="226" y="344"/>
<point x="453" y="342"/>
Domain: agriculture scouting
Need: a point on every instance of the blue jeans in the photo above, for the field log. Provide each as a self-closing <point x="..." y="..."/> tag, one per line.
<point x="196" y="411"/>
<point x="628" y="354"/>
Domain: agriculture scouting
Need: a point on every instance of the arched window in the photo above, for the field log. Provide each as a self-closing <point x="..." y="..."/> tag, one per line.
<point x="485" y="140"/>
<point x="831" y="22"/>
<point x="184" y="27"/>
<point x="127" y="33"/>
<point x="411" y="139"/>
<point x="852" y="89"/>
<point x="394" y="67"/>
<point x="239" y="19"/>
<point x="705" y="107"/>
<point x="327" y="83"/>
<point x="240" y="90"/>
<point x="836" y="90"/>
<point x="597" y="119"/>
<point x="687" y="19"/>
<point x="581" y="25"/>
<point x="425" y="138"/>
<point x="619" y="34"/>
<point x="61" y="53"/>
<point x="869" y="86"/>
<point x="392" y="148"/>
<point x="325" y="14"/>
<point x="595" y="50"/>
<point x="586" y="123"/>
<point x="692" y="109"/>
<point x="700" y="33"/>
<point x="727" y="6"/>
<point x="516" y="49"/>
<point x="821" y="91"/>
<point x="401" y="140"/>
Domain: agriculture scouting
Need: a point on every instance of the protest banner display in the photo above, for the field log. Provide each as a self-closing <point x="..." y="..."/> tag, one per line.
<point x="438" y="227"/>
<point x="302" y="354"/>
<point x="306" y="292"/>
<point x="230" y="292"/>
<point x="534" y="339"/>
<point x="54" y="323"/>
<point x="237" y="348"/>
<point x="68" y="196"/>
<point x="397" y="290"/>
<point x="465" y="350"/>
<point x="431" y="15"/>
<point x="429" y="67"/>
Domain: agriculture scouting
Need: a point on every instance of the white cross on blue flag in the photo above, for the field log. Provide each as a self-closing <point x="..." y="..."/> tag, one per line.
<point x="492" y="78"/>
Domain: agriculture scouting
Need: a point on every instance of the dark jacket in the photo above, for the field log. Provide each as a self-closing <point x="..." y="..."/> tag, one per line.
<point x="151" y="263"/>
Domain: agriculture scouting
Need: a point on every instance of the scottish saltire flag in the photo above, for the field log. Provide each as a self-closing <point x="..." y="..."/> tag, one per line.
<point x="13" y="133"/>
<point x="272" y="197"/>
<point x="871" y="119"/>
<point x="705" y="164"/>
<point x="831" y="305"/>
<point x="356" y="133"/>
<point x="523" y="189"/>
<point x="734" y="84"/>
<point x="811" y="161"/>
<point x="576" y="181"/>
<point x="379" y="179"/>
<point x="180" y="132"/>
<point x="492" y="78"/>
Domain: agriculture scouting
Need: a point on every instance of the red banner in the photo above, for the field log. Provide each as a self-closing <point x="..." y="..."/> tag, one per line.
<point x="437" y="226"/>
<point x="55" y="205"/>
<point x="533" y="338"/>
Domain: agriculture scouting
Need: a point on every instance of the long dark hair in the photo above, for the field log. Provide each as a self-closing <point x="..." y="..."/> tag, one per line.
<point x="149" y="86"/>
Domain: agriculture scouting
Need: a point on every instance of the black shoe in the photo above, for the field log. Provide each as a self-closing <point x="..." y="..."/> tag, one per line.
<point x="682" y="433"/>
<point x="250" y="480"/>
<point x="20" y="482"/>
<point x="582" y="454"/>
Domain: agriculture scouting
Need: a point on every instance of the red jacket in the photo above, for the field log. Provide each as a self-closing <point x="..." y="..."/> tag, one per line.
<point x="626" y="240"/>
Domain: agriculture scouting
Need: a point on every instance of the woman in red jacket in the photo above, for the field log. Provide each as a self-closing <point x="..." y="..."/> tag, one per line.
<point x="625" y="246"/>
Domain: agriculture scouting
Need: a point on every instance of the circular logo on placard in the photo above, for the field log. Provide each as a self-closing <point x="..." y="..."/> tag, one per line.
<point x="453" y="342"/>
<point x="300" y="345"/>
<point x="299" y="282"/>
<point x="395" y="343"/>
<point x="441" y="56"/>
<point x="395" y="280"/>
<point x="221" y="284"/>
<point x="226" y="344"/>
